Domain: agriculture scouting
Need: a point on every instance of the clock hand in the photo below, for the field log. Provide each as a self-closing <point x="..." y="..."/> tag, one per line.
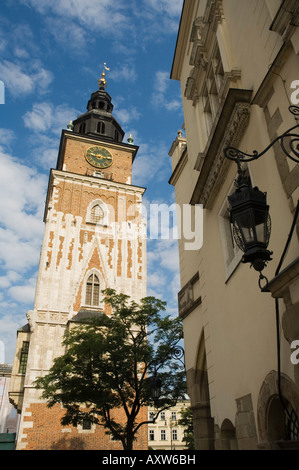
<point x="97" y="156"/>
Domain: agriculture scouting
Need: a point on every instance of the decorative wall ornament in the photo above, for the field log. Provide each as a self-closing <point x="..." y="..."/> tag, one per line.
<point x="234" y="132"/>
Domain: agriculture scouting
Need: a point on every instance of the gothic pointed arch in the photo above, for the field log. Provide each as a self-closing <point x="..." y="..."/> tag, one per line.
<point x="228" y="436"/>
<point x="98" y="212"/>
<point x="94" y="272"/>
<point x="203" y="422"/>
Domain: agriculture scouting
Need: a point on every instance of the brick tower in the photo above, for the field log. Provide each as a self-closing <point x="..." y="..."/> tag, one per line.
<point x="93" y="239"/>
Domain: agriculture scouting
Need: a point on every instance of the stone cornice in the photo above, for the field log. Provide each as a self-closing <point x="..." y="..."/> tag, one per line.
<point x="179" y="168"/>
<point x="287" y="19"/>
<point x="182" y="38"/>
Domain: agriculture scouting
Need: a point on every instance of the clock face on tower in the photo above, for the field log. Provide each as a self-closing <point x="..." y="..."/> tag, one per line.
<point x="99" y="157"/>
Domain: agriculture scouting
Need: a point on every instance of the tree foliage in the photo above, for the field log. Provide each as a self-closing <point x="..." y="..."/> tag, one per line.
<point x="108" y="363"/>
<point x="186" y="420"/>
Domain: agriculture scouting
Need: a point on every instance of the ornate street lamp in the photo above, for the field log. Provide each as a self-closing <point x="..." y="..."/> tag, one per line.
<point x="249" y="212"/>
<point x="155" y="387"/>
<point x="251" y="223"/>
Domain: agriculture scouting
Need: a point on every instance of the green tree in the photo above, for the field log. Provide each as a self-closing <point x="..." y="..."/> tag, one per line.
<point x="108" y="365"/>
<point x="186" y="420"/>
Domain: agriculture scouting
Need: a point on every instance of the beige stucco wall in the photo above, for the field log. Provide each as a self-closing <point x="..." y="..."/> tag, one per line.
<point x="237" y="318"/>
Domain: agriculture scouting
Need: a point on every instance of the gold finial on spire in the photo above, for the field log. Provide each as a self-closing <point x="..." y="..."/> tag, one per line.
<point x="102" y="81"/>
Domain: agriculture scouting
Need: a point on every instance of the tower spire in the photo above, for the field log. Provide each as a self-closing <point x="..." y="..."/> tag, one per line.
<point x="102" y="82"/>
<point x="98" y="120"/>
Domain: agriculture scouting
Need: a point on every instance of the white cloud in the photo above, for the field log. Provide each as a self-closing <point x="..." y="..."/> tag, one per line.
<point x="152" y="163"/>
<point x="22" y="192"/>
<point x="46" y="122"/>
<point x="126" y="115"/>
<point x="163" y="279"/>
<point x="24" y="293"/>
<point x="71" y="35"/>
<point x="24" y="79"/>
<point x="21" y="53"/>
<point x="126" y="72"/>
<point x="93" y="14"/>
<point x="6" y="136"/>
<point x="45" y="117"/>
<point x="171" y="7"/>
<point x="160" y="94"/>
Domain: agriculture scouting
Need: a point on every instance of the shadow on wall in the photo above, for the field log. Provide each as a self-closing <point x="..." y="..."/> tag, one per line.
<point x="74" y="443"/>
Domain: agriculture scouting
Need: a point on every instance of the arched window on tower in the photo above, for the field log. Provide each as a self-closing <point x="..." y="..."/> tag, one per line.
<point x="82" y="128"/>
<point x="96" y="214"/>
<point x="92" y="296"/>
<point x="101" y="127"/>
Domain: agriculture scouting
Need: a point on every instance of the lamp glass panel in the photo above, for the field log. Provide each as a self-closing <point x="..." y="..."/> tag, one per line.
<point x="260" y="217"/>
<point x="246" y="224"/>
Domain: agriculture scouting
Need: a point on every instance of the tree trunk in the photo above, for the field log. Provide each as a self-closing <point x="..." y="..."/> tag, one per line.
<point x="128" y="441"/>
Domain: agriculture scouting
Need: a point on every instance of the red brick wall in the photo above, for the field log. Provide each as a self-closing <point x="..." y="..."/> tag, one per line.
<point x="75" y="162"/>
<point x="47" y="432"/>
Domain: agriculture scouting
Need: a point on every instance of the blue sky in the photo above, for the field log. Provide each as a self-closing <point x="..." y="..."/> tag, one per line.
<point x="52" y="54"/>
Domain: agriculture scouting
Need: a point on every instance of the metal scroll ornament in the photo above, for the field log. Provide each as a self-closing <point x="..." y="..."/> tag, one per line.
<point x="289" y="142"/>
<point x="179" y="355"/>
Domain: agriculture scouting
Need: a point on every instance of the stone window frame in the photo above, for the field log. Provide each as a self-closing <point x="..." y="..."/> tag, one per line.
<point x="89" y="215"/>
<point x="100" y="304"/>
<point x="211" y="93"/>
<point x="210" y="53"/>
<point x="82" y="430"/>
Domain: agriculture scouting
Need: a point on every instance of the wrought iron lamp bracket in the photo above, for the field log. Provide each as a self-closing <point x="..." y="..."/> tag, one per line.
<point x="289" y="142"/>
<point x="179" y="355"/>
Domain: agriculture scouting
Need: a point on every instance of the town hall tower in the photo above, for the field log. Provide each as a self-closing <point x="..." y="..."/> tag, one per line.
<point x="94" y="239"/>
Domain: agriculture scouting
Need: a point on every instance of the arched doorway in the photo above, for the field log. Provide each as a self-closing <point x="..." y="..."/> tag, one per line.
<point x="277" y="415"/>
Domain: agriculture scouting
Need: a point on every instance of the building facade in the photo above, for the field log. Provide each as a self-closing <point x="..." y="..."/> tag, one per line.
<point x="238" y="65"/>
<point x="93" y="240"/>
<point x="8" y="415"/>
<point x="166" y="433"/>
